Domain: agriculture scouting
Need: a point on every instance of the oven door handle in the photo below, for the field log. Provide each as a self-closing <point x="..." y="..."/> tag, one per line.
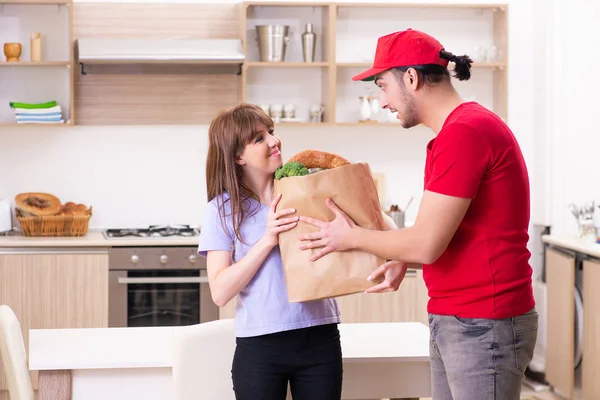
<point x="191" y="279"/>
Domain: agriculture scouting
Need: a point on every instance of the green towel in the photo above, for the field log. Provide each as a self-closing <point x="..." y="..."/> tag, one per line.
<point x="32" y="106"/>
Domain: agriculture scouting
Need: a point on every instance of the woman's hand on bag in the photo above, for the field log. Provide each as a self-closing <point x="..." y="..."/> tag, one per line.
<point x="276" y="224"/>
<point x="393" y="273"/>
<point x="332" y="236"/>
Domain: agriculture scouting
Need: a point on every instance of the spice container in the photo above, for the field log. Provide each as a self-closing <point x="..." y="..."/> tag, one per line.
<point x="36" y="46"/>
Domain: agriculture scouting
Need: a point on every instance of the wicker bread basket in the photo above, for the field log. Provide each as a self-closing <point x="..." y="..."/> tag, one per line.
<point x="55" y="225"/>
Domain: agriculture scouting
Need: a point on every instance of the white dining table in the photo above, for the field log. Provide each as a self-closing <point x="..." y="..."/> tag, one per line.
<point x="381" y="360"/>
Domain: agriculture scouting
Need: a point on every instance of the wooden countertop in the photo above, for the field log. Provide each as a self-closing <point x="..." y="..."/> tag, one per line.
<point x="573" y="243"/>
<point x="92" y="239"/>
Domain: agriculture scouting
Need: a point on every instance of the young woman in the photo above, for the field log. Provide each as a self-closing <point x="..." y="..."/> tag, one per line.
<point x="277" y="341"/>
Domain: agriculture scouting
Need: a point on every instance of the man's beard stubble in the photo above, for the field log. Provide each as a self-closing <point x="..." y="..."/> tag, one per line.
<point x="410" y="116"/>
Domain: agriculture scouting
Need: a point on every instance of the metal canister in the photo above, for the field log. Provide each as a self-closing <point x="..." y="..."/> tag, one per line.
<point x="272" y="42"/>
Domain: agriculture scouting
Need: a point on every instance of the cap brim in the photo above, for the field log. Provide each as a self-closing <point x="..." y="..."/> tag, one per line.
<point x="369" y="74"/>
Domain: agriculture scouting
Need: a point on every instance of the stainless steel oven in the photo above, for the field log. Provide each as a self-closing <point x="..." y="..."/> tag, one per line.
<point x="158" y="286"/>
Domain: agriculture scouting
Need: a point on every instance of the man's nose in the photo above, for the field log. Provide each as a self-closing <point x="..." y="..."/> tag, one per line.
<point x="383" y="100"/>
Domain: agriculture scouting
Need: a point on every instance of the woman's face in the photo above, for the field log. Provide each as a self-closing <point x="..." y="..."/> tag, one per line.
<point x="262" y="156"/>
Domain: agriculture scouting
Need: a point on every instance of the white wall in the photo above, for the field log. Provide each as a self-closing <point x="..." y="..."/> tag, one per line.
<point x="140" y="175"/>
<point x="574" y="136"/>
<point x="135" y="176"/>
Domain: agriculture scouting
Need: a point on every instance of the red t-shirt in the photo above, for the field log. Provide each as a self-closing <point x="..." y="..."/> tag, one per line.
<point x="485" y="271"/>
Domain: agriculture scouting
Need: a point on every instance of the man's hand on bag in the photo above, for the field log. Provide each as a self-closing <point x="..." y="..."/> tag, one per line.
<point x="393" y="273"/>
<point x="332" y="236"/>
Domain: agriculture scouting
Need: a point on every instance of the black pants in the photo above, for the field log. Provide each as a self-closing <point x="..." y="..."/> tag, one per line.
<point x="310" y="359"/>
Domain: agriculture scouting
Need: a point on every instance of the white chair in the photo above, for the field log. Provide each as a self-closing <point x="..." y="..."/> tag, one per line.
<point x="202" y="357"/>
<point x="14" y="356"/>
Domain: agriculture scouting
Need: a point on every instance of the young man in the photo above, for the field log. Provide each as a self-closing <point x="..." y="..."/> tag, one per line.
<point x="470" y="233"/>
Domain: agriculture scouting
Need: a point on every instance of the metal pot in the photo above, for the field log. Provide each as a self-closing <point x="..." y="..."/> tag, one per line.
<point x="272" y="42"/>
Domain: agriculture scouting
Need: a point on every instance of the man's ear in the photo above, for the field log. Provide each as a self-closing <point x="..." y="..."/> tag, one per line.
<point x="411" y="78"/>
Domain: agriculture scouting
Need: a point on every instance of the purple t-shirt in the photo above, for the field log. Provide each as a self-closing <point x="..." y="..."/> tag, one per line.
<point x="262" y="307"/>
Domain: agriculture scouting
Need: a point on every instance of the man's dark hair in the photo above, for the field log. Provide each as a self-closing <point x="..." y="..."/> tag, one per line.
<point x="434" y="73"/>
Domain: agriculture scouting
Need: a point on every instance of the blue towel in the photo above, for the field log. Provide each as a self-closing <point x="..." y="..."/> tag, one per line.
<point x="52" y="114"/>
<point x="45" y="119"/>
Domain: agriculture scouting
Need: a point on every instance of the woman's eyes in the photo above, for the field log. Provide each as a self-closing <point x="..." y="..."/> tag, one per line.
<point x="259" y="138"/>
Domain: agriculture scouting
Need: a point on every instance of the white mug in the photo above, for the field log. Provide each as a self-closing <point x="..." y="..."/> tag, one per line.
<point x="289" y="111"/>
<point x="276" y="112"/>
<point x="316" y="113"/>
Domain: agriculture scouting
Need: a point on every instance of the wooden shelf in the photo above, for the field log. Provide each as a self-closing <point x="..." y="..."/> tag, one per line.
<point x="287" y="4"/>
<point x="374" y="5"/>
<point x="336" y="124"/>
<point x="36" y="2"/>
<point x="262" y="64"/>
<point x="337" y="25"/>
<point x="54" y="76"/>
<point x="500" y="65"/>
<point x="424" y="5"/>
<point x="361" y="124"/>
<point x="14" y="124"/>
<point x="300" y="124"/>
<point x="354" y="64"/>
<point x="36" y="64"/>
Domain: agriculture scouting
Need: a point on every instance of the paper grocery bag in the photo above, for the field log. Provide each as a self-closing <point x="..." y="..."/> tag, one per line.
<point x="339" y="273"/>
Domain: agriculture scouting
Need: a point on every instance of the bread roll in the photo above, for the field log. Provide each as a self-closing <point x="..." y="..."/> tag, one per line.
<point x="81" y="209"/>
<point x="319" y="159"/>
<point x="38" y="204"/>
<point x="71" y="208"/>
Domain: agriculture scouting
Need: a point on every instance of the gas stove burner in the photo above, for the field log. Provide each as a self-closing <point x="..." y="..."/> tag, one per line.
<point x="117" y="233"/>
<point x="154" y="231"/>
<point x="176" y="230"/>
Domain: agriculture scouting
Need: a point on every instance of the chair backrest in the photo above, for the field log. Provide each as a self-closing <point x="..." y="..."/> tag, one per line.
<point x="14" y="357"/>
<point x="202" y="358"/>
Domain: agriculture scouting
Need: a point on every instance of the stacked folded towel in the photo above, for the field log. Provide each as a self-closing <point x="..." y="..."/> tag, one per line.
<point x="37" y="113"/>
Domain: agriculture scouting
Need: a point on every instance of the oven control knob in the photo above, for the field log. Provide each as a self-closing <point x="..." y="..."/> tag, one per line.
<point x="192" y="258"/>
<point x="164" y="259"/>
<point x="135" y="259"/>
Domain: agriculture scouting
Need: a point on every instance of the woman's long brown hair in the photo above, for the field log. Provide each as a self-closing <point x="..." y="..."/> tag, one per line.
<point x="228" y="135"/>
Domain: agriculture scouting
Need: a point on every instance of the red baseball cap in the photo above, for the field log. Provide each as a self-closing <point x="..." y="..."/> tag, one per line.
<point x="403" y="49"/>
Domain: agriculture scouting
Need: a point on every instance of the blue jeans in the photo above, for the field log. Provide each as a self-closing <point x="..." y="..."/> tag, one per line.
<point x="480" y="359"/>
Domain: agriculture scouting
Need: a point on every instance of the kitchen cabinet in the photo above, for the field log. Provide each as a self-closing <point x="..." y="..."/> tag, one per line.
<point x="54" y="288"/>
<point x="570" y="263"/>
<point x="345" y="45"/>
<point x="51" y="78"/>
<point x="591" y="329"/>
<point x="397" y="306"/>
<point x="422" y="298"/>
<point x="158" y="91"/>
<point x="407" y="304"/>
<point x="560" y="281"/>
